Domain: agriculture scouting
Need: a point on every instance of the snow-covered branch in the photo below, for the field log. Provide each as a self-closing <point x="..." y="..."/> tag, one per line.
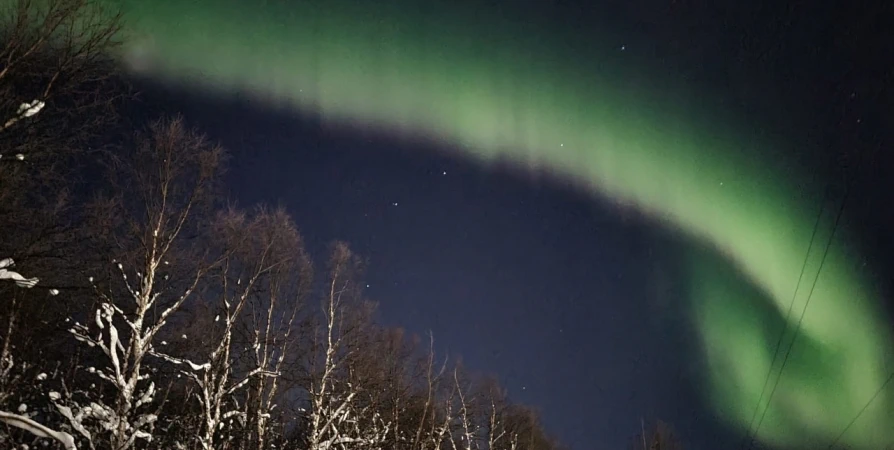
<point x="38" y="429"/>
<point x="26" y="110"/>
<point x="7" y="274"/>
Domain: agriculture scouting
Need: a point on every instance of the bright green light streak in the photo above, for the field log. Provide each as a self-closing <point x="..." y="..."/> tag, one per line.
<point x="495" y="90"/>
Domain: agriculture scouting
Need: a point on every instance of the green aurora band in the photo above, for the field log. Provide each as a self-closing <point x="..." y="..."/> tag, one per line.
<point x="502" y="89"/>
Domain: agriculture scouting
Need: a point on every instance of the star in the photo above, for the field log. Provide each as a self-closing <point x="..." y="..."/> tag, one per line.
<point x="394" y="204"/>
<point x="623" y="47"/>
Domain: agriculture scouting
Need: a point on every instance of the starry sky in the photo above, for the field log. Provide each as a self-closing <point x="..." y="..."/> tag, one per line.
<point x="579" y="304"/>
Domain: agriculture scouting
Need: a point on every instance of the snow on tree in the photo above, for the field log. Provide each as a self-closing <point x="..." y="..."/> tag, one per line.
<point x="54" y="94"/>
<point x="274" y="312"/>
<point x="53" y="49"/>
<point x="338" y="419"/>
<point x="255" y="250"/>
<point x="37" y="429"/>
<point x="170" y="174"/>
<point x="54" y="97"/>
<point x="7" y="274"/>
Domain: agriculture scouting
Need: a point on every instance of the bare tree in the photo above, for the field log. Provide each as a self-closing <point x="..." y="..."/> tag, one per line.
<point x="335" y="408"/>
<point x="660" y="437"/>
<point x="465" y="435"/>
<point x="417" y="409"/>
<point x="37" y="429"/>
<point x="495" y="404"/>
<point x="275" y="339"/>
<point x="257" y="253"/>
<point x="384" y="374"/>
<point x="170" y="175"/>
<point x="58" y="91"/>
<point x="53" y="48"/>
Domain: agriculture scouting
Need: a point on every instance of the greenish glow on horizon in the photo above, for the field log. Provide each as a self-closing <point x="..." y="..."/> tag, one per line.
<point x="496" y="91"/>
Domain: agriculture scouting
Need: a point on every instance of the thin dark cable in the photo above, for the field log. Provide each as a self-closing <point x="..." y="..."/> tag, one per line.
<point x="800" y="320"/>
<point x="791" y="305"/>
<point x="847" y="191"/>
<point x="862" y="410"/>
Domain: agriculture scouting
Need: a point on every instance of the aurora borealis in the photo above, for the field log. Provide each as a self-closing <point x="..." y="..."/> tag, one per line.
<point x="496" y="89"/>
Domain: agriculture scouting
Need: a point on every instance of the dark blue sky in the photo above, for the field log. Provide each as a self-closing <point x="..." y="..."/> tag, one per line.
<point x="577" y="305"/>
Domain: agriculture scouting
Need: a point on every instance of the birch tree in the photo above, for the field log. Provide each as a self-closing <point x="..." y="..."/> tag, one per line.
<point x="660" y="436"/>
<point x="170" y="173"/>
<point x="54" y="48"/>
<point x="385" y="371"/>
<point x="54" y="64"/>
<point x="465" y="434"/>
<point x="495" y="404"/>
<point x="275" y="331"/>
<point x="257" y="252"/>
<point x="432" y="423"/>
<point x="58" y="90"/>
<point x="38" y="429"/>
<point x="336" y="412"/>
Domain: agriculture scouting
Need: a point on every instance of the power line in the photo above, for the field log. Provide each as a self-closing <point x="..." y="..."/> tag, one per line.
<point x="746" y="439"/>
<point x="788" y="351"/>
<point x="847" y="191"/>
<point x="862" y="410"/>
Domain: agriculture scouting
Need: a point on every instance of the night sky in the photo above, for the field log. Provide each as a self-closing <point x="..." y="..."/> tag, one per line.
<point x="577" y="303"/>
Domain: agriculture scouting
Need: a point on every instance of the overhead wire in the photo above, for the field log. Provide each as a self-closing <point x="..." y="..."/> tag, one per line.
<point x="862" y="410"/>
<point x="800" y="320"/>
<point x="747" y="437"/>
<point x="839" y="214"/>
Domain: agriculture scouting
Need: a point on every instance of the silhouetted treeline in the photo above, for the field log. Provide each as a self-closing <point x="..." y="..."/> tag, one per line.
<point x="138" y="310"/>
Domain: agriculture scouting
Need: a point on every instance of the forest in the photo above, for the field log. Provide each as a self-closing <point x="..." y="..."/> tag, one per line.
<point x="140" y="308"/>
